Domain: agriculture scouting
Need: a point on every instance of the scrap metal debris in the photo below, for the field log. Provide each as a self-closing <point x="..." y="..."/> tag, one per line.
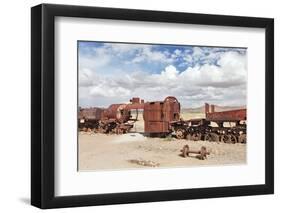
<point x="201" y="154"/>
<point x="144" y="162"/>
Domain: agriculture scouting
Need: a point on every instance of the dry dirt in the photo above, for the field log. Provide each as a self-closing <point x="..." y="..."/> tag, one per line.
<point x="133" y="150"/>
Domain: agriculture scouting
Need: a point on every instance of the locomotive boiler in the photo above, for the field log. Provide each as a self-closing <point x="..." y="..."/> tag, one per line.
<point x="116" y="118"/>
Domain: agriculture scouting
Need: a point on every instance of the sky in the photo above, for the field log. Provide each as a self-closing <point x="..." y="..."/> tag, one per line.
<point x="116" y="72"/>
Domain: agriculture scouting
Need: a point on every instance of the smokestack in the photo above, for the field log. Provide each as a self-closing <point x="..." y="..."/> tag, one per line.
<point x="206" y="108"/>
<point x="135" y="100"/>
<point x="212" y="108"/>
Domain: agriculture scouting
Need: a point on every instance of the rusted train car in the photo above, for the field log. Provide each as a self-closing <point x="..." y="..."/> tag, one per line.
<point x="225" y="126"/>
<point x="158" y="116"/>
<point x="163" y="117"/>
<point x="116" y="118"/>
<point x="88" y="118"/>
<point x="230" y="127"/>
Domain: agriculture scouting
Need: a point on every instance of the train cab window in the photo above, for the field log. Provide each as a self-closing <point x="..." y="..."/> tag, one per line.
<point x="176" y="116"/>
<point x="229" y="124"/>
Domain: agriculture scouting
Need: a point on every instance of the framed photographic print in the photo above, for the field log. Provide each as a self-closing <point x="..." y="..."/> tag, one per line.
<point x="139" y="106"/>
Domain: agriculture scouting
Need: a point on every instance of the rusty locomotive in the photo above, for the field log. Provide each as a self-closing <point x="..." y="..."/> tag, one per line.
<point x="117" y="118"/>
<point x="162" y="118"/>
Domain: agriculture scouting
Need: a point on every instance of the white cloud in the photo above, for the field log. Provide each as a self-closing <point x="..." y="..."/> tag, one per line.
<point x="232" y="70"/>
<point x="170" y="73"/>
<point x="120" y="48"/>
<point x="85" y="77"/>
<point x="88" y="67"/>
<point x="105" y="91"/>
<point x="224" y="84"/>
<point x="146" y="54"/>
<point x="197" y="52"/>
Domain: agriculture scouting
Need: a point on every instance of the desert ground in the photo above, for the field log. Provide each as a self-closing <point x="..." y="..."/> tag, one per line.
<point x="135" y="151"/>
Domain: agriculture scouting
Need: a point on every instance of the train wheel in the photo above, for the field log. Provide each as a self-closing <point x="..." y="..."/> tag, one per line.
<point x="229" y="139"/>
<point x="224" y="138"/>
<point x="180" y="133"/>
<point x="215" y="137"/>
<point x="233" y="139"/>
<point x="212" y="137"/>
<point x="242" y="138"/>
<point x="207" y="137"/>
<point x="196" y="136"/>
<point x="102" y="129"/>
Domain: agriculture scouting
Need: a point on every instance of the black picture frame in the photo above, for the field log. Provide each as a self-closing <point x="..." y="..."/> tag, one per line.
<point x="43" y="102"/>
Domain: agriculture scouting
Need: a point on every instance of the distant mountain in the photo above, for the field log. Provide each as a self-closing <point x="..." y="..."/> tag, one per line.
<point x="217" y="109"/>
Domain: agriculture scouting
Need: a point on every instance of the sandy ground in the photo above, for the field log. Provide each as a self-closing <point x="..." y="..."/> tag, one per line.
<point x="103" y="152"/>
<point x="133" y="150"/>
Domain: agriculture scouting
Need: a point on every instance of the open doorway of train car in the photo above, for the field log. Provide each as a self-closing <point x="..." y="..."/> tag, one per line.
<point x="137" y="116"/>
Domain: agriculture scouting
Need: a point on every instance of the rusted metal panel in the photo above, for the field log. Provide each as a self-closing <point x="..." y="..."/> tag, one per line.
<point x="135" y="106"/>
<point x="230" y="115"/>
<point x="156" y="127"/>
<point x="121" y="112"/>
<point x="171" y="109"/>
<point x="117" y="112"/>
<point x="88" y="118"/>
<point x="110" y="112"/>
<point x="92" y="113"/>
<point x="207" y="107"/>
<point x="212" y="108"/>
<point x="135" y="100"/>
<point x="158" y="115"/>
<point x="153" y="111"/>
<point x="154" y="118"/>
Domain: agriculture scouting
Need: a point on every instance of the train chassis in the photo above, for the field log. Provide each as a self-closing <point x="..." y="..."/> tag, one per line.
<point x="162" y="118"/>
<point x="106" y="127"/>
<point x="200" y="129"/>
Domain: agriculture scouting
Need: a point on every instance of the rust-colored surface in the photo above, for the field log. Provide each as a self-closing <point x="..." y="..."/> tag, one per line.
<point x="212" y="108"/>
<point x="135" y="106"/>
<point x="230" y="115"/>
<point x="135" y="103"/>
<point x="122" y="112"/>
<point x="135" y="100"/>
<point x="158" y="115"/>
<point x="92" y="113"/>
<point x="116" y="112"/>
<point x="163" y="117"/>
<point x="207" y="107"/>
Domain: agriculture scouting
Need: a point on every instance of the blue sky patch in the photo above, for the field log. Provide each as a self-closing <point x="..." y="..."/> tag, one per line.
<point x="120" y="70"/>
